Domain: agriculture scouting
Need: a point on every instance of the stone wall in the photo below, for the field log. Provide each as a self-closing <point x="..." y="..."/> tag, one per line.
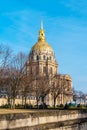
<point x="43" y="120"/>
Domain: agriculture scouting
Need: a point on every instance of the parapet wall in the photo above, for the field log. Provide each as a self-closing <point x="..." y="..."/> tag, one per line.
<point x="38" y="120"/>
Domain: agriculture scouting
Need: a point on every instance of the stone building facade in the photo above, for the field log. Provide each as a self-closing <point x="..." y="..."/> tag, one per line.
<point x="42" y="61"/>
<point x="41" y="58"/>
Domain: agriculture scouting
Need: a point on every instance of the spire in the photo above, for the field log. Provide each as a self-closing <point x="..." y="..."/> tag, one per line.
<point x="41" y="32"/>
<point x="41" y="25"/>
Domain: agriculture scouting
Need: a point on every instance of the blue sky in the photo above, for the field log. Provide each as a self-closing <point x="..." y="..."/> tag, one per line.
<point x="65" y="25"/>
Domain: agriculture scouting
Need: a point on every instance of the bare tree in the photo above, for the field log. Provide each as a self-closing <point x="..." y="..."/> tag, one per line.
<point x="84" y="98"/>
<point x="36" y="91"/>
<point x="5" y="56"/>
<point x="79" y="97"/>
<point x="55" y="89"/>
<point x="26" y="88"/>
<point x="42" y="88"/>
<point x="75" y="95"/>
<point x="15" y="76"/>
<point x="58" y="88"/>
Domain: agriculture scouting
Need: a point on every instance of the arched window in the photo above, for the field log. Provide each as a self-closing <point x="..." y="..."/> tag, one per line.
<point x="44" y="70"/>
<point x="37" y="57"/>
<point x="44" y="57"/>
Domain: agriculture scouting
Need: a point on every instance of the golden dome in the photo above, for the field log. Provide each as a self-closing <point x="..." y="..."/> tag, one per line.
<point x="42" y="45"/>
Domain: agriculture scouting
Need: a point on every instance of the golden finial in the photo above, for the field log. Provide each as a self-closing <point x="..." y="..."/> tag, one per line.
<point x="41" y="33"/>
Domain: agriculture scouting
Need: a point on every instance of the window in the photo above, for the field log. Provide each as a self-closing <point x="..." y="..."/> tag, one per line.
<point x="44" y="57"/>
<point x="37" y="57"/>
<point x="44" y="70"/>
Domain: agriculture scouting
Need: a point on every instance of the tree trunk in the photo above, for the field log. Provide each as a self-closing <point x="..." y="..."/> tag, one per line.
<point x="22" y="100"/>
<point x="54" y="102"/>
<point x="37" y="102"/>
<point x="13" y="103"/>
<point x="25" y="102"/>
<point x="42" y="101"/>
<point x="9" y="102"/>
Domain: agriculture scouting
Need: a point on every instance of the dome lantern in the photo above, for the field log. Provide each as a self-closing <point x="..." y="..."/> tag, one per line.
<point x="41" y="45"/>
<point x="41" y="33"/>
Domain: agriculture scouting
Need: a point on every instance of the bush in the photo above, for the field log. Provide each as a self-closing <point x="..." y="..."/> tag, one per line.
<point x="19" y="106"/>
<point x="70" y="106"/>
<point x="61" y="105"/>
<point x="35" y="106"/>
<point x="29" y="106"/>
<point x="78" y="105"/>
<point x="43" y="106"/>
<point x="81" y="106"/>
<point x="4" y="106"/>
<point x="66" y="106"/>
